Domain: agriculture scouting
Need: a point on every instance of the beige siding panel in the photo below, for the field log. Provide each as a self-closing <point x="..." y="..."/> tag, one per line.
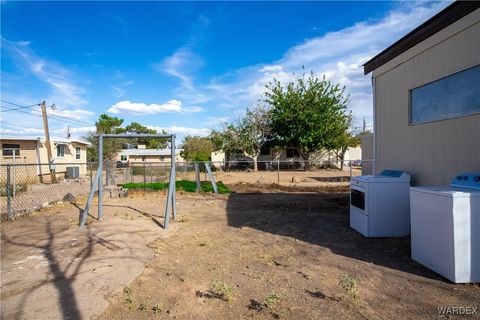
<point x="433" y="152"/>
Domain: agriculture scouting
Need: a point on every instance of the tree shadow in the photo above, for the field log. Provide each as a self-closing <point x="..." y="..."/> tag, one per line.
<point x="153" y="217"/>
<point x="62" y="278"/>
<point x="321" y="219"/>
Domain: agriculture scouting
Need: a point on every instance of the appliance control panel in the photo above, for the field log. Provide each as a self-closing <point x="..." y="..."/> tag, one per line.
<point x="391" y="173"/>
<point x="467" y="180"/>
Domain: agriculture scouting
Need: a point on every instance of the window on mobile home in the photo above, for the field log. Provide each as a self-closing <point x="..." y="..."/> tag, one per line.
<point x="450" y="97"/>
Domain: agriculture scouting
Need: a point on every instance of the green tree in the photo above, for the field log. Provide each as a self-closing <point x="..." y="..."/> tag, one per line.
<point x="253" y="132"/>
<point x="342" y="143"/>
<point x="307" y="114"/>
<point x="246" y="135"/>
<point x="226" y="140"/>
<point x="136" y="127"/>
<point x="106" y="124"/>
<point x="197" y="149"/>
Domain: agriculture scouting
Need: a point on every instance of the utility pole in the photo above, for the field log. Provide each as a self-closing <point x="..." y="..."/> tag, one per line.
<point x="364" y="125"/>
<point x="51" y="166"/>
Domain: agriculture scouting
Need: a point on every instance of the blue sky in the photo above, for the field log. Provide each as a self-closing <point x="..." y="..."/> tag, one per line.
<point x="184" y="66"/>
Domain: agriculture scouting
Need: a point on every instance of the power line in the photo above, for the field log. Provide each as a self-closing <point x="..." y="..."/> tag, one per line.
<point x="51" y="116"/>
<point x="17" y="105"/>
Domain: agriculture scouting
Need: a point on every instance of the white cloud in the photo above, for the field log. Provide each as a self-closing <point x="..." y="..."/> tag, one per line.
<point x="172" y="106"/>
<point x="272" y="68"/>
<point x="64" y="90"/>
<point x="77" y="114"/>
<point x="21" y="131"/>
<point x="183" y="131"/>
<point x="142" y="108"/>
<point x="180" y="65"/>
<point x="193" y="109"/>
<point x="118" y="92"/>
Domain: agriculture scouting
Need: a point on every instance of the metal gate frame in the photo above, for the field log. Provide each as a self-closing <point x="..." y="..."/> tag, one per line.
<point x="98" y="180"/>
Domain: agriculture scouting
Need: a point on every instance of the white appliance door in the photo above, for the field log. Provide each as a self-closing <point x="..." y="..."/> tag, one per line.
<point x="359" y="209"/>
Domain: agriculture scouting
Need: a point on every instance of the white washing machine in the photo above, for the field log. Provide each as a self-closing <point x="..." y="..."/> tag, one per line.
<point x="446" y="228"/>
<point x="379" y="204"/>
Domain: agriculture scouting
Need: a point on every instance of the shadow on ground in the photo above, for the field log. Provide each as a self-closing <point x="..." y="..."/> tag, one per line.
<point x="321" y="219"/>
<point x="62" y="277"/>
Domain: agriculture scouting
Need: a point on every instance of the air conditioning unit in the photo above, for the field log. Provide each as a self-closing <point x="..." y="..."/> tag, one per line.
<point x="73" y="172"/>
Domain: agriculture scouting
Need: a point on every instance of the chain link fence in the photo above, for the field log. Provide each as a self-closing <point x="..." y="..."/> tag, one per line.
<point x="29" y="187"/>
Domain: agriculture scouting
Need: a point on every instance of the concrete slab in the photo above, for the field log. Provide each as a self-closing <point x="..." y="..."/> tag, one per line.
<point x="50" y="269"/>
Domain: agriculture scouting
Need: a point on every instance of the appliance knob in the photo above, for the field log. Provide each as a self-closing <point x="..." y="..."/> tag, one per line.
<point x="476" y="179"/>
<point x="465" y="178"/>
<point x="459" y="177"/>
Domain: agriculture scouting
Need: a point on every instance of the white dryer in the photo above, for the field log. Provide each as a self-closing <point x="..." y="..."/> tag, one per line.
<point x="445" y="224"/>
<point x="379" y="204"/>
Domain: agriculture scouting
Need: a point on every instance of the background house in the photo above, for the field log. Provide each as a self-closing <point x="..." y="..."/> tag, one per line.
<point x="427" y="98"/>
<point x="33" y="150"/>
<point x="141" y="154"/>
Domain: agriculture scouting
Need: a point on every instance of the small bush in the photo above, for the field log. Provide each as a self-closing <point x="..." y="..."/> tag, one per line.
<point x="143" y="306"/>
<point x="157" y="309"/>
<point x="127" y="290"/>
<point x="271" y="300"/>
<point x="221" y="290"/>
<point x="349" y="284"/>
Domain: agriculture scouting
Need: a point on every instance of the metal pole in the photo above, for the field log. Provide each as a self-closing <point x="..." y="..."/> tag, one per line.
<point x="83" y="218"/>
<point x="171" y="187"/>
<point x="278" y="171"/>
<point x="174" y="167"/>
<point x="212" y="180"/>
<point x="100" y="177"/>
<point x="350" y="165"/>
<point x="197" y="176"/>
<point x="9" y="196"/>
<point x="91" y="182"/>
<point x="144" y="178"/>
<point x="14" y="174"/>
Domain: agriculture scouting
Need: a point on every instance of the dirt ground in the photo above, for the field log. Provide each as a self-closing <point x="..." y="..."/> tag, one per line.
<point x="262" y="252"/>
<point x="311" y="178"/>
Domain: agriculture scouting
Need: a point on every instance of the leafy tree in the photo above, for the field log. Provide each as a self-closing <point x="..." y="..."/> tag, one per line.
<point x="197" y="149"/>
<point x="254" y="131"/>
<point x="226" y="140"/>
<point x="307" y="114"/>
<point x="136" y="127"/>
<point x="106" y="124"/>
<point x="343" y="142"/>
<point x="245" y="135"/>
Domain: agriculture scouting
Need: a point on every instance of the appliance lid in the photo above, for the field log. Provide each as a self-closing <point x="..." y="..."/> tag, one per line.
<point x="455" y="192"/>
<point x="389" y="176"/>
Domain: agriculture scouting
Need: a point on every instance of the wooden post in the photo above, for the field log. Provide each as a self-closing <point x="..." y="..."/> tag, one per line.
<point x="47" y="141"/>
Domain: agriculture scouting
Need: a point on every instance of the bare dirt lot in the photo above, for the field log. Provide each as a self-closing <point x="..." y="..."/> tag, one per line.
<point x="262" y="252"/>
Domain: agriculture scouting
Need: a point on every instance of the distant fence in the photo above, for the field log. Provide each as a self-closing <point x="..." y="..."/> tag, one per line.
<point x="28" y="187"/>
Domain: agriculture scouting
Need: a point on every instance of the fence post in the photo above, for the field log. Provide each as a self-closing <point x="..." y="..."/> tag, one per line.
<point x="14" y="175"/>
<point x="144" y="178"/>
<point x="278" y="171"/>
<point x="9" y="195"/>
<point x="350" y="165"/>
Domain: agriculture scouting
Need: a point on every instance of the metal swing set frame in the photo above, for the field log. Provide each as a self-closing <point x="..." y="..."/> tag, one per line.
<point x="98" y="180"/>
